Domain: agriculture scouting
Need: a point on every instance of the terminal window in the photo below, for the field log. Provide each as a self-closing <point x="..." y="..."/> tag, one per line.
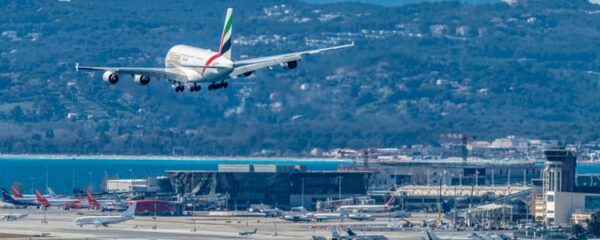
<point x="550" y="198"/>
<point x="592" y="202"/>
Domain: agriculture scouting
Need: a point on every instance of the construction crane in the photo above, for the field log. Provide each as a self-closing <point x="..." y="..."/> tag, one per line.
<point x="464" y="142"/>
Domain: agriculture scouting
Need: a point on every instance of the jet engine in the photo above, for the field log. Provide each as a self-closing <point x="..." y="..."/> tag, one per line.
<point x="289" y="65"/>
<point x="141" y="79"/>
<point x="110" y="77"/>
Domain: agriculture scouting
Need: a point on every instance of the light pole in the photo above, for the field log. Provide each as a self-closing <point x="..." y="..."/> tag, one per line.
<point x="340" y="187"/>
<point x="91" y="189"/>
<point x="302" y="192"/>
<point x="193" y="200"/>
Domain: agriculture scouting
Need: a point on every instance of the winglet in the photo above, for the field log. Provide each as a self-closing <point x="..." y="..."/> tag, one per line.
<point x="77" y="67"/>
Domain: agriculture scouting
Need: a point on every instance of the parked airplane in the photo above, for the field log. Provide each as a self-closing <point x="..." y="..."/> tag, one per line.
<point x="368" y="208"/>
<point x="353" y="236"/>
<point x="320" y="217"/>
<point x="24" y="202"/>
<point x="56" y="202"/>
<point x="432" y="236"/>
<point x="16" y="193"/>
<point x="360" y="217"/>
<point x="188" y="67"/>
<point x="107" y="220"/>
<point x="296" y="218"/>
<point x="399" y="214"/>
<point x="13" y="217"/>
<point x="248" y="233"/>
<point x="106" y="205"/>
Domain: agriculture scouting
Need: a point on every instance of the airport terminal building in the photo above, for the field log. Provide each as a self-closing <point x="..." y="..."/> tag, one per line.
<point x="276" y="185"/>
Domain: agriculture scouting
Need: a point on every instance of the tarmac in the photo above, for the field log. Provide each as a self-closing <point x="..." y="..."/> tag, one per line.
<point x="60" y="226"/>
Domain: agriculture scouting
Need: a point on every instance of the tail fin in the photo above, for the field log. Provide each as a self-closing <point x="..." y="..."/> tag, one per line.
<point x="391" y="201"/>
<point x="225" y="44"/>
<point x="91" y="200"/>
<point x="50" y="192"/>
<point x="350" y="232"/>
<point x="16" y="192"/>
<point x="117" y="197"/>
<point x="131" y="210"/>
<point x="6" y="197"/>
<point x="41" y="199"/>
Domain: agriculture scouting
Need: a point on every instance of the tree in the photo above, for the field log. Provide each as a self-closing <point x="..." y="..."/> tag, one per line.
<point x="578" y="231"/>
<point x="594" y="224"/>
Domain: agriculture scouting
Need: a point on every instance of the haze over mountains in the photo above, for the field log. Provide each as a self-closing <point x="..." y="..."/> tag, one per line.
<point x="418" y="71"/>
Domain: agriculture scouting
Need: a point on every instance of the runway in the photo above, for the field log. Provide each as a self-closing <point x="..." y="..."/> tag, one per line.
<point x="60" y="226"/>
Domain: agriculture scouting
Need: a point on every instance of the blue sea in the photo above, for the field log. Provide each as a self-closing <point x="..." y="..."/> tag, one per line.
<point x="65" y="174"/>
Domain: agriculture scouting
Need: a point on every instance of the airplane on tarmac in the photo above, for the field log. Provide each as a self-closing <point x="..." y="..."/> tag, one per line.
<point x="106" y="205"/>
<point x="320" y="217"/>
<point x="432" y="236"/>
<point x="189" y="67"/>
<point x="368" y="208"/>
<point x="16" y="193"/>
<point x="248" y="233"/>
<point x="23" y="202"/>
<point x="107" y="220"/>
<point x="360" y="217"/>
<point x="296" y="218"/>
<point x="57" y="202"/>
<point x="14" y="217"/>
<point x="353" y="236"/>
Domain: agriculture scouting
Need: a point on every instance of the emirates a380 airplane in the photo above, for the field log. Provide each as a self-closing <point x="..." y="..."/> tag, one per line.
<point x="188" y="67"/>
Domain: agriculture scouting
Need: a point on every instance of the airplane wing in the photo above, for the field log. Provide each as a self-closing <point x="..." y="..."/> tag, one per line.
<point x="249" y="65"/>
<point x="162" y="73"/>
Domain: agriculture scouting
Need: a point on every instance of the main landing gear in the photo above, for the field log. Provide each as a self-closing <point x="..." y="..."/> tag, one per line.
<point x="195" y="88"/>
<point x="216" y="86"/>
<point x="179" y="88"/>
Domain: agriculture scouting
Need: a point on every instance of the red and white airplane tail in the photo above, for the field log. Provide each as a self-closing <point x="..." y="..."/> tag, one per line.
<point x="391" y="201"/>
<point x="91" y="200"/>
<point x="41" y="199"/>
<point x="15" y="192"/>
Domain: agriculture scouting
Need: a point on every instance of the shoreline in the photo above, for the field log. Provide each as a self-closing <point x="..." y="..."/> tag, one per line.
<point x="163" y="157"/>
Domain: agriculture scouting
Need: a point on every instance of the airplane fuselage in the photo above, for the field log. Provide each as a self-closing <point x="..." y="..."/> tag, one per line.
<point x="190" y="60"/>
<point x="102" y="220"/>
<point x="364" y="208"/>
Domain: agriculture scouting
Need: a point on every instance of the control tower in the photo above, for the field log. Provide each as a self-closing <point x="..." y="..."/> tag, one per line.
<point x="559" y="170"/>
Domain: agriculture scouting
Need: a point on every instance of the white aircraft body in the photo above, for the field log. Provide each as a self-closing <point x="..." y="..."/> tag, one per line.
<point x="353" y="236"/>
<point x="106" y="220"/>
<point x="57" y="202"/>
<point x="320" y="217"/>
<point x="368" y="208"/>
<point x="106" y="204"/>
<point x="16" y="193"/>
<point x="188" y="67"/>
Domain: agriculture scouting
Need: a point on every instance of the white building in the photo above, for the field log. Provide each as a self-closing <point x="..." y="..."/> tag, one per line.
<point x="560" y="206"/>
<point x="132" y="185"/>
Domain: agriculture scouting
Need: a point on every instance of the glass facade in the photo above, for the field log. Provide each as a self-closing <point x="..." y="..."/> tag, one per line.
<point x="592" y="203"/>
<point x="274" y="188"/>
